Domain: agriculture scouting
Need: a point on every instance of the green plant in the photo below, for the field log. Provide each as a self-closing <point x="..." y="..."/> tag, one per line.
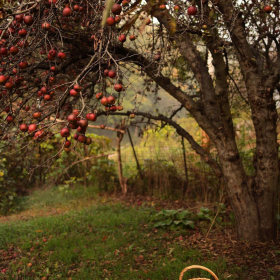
<point x="173" y="219"/>
<point x="8" y="195"/>
<point x="64" y="171"/>
<point x="204" y="214"/>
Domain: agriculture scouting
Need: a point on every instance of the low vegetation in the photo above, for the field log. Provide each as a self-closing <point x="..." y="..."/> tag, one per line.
<point x="78" y="234"/>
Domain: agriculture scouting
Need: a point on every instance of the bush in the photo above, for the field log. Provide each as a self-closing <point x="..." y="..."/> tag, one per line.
<point x="22" y="170"/>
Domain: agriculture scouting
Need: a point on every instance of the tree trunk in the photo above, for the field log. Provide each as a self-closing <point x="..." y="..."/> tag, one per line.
<point x="254" y="213"/>
<point x="253" y="199"/>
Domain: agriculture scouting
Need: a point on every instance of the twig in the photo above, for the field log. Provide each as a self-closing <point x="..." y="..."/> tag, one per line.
<point x="96" y="126"/>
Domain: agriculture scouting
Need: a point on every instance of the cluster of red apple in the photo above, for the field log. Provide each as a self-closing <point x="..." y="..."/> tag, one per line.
<point x="116" y="10"/>
<point x="75" y="90"/>
<point x="192" y="10"/>
<point x="39" y="132"/>
<point x="81" y="125"/>
<point x="109" y="102"/>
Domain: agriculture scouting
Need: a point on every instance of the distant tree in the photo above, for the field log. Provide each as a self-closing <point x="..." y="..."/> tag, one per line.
<point x="60" y="55"/>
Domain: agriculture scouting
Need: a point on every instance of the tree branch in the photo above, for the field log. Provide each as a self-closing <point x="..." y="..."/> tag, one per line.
<point x="182" y="132"/>
<point x="151" y="69"/>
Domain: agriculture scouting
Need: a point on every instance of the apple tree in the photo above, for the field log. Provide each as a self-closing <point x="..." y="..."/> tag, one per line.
<point x="64" y="63"/>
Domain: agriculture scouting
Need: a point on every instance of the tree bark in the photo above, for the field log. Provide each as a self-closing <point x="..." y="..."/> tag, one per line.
<point x="254" y="212"/>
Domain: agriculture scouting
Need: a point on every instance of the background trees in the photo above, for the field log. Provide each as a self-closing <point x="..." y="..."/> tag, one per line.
<point x="56" y="57"/>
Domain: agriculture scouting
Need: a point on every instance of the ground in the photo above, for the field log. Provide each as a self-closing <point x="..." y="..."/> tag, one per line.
<point x="88" y="236"/>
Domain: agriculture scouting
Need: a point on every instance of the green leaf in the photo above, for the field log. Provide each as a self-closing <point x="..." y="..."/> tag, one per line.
<point x="204" y="210"/>
<point x="189" y="224"/>
<point x="182" y="215"/>
<point x="11" y="197"/>
<point x="177" y="222"/>
<point x="130" y="247"/>
<point x="169" y="213"/>
<point x="164" y="223"/>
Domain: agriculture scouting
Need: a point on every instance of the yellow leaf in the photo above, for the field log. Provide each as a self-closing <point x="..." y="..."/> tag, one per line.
<point x="173" y="26"/>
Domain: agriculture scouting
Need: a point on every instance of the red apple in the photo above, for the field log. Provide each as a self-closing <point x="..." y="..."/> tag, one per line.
<point x="267" y="9"/>
<point x="73" y="92"/>
<point x="104" y="101"/>
<point x="117" y="19"/>
<point x="76" y="112"/>
<point x="2" y="79"/>
<point x="3" y="51"/>
<point x="52" y="52"/>
<point x="44" y="90"/>
<point x="83" y="123"/>
<point x="65" y="132"/>
<point x="14" y="50"/>
<point x="23" y="65"/>
<point x="116" y="9"/>
<point x="47" y="97"/>
<point x="9" y="85"/>
<point x="122" y="38"/>
<point x="10" y="119"/>
<point x="113" y="108"/>
<point x="32" y="127"/>
<point x="46" y="26"/>
<point x="37" y="115"/>
<point x="112" y="74"/>
<point x="88" y="141"/>
<point x="22" y="32"/>
<point x="72" y="118"/>
<point x="67" y="144"/>
<point x="192" y="10"/>
<point x="19" y="18"/>
<point x="99" y="95"/>
<point x="61" y="55"/>
<point x="67" y="12"/>
<point x="23" y="127"/>
<point x="28" y="20"/>
<point x="81" y="129"/>
<point x="81" y="138"/>
<point x="110" y="21"/>
<point x="77" y="87"/>
<point x="91" y="117"/>
<point x="118" y="87"/>
<point x="176" y="8"/>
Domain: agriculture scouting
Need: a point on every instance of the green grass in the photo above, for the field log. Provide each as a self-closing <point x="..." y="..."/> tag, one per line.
<point x="55" y="197"/>
<point x="105" y="240"/>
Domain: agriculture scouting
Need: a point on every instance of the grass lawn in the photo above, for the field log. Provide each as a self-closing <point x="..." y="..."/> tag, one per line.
<point x="92" y="237"/>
